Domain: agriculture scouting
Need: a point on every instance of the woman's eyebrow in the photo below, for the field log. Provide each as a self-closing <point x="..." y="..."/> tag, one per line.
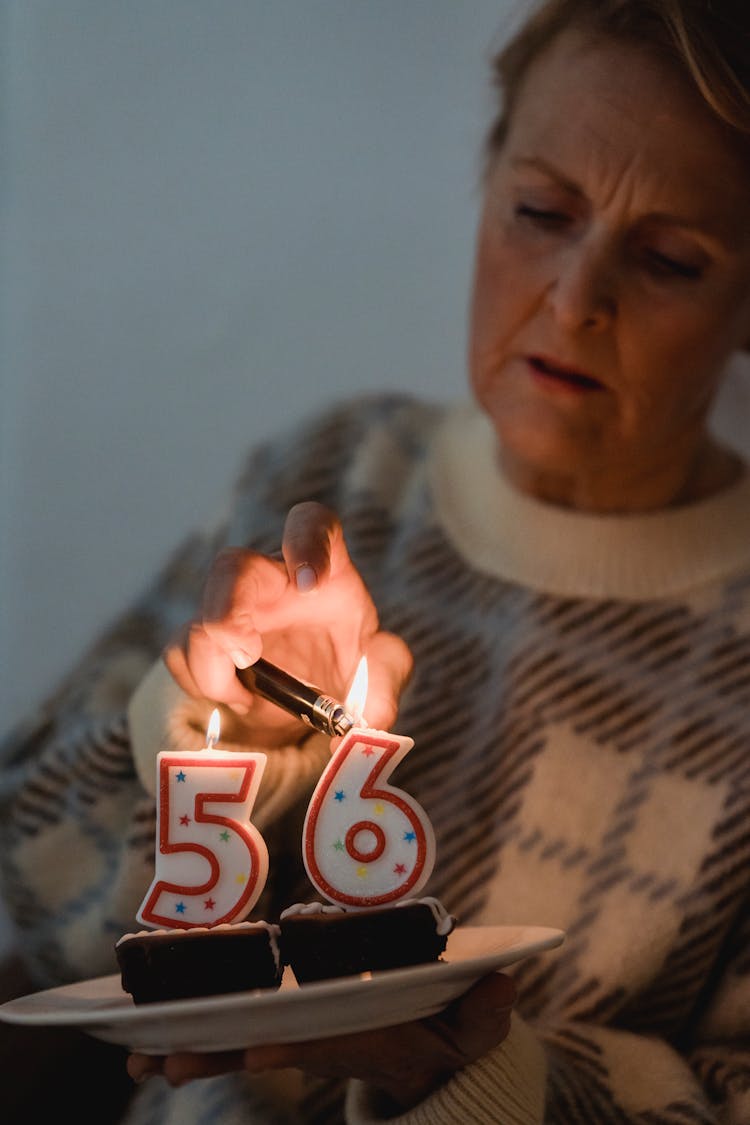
<point x="538" y="164"/>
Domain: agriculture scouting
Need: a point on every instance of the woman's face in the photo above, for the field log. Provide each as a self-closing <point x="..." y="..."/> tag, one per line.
<point x="612" y="278"/>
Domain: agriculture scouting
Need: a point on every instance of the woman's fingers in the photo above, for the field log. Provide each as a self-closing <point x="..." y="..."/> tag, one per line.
<point x="183" y="1066"/>
<point x="317" y="560"/>
<point x="240" y="586"/>
<point x="480" y="1019"/>
<point x="254" y="605"/>
<point x="205" y="655"/>
<point x="408" y="1061"/>
<point x="389" y="667"/>
<point x="213" y="664"/>
<point x="312" y="541"/>
<point x="175" y="658"/>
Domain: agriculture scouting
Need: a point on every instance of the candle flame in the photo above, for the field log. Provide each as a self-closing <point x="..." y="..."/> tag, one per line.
<point x="357" y="697"/>
<point x="214" y="729"/>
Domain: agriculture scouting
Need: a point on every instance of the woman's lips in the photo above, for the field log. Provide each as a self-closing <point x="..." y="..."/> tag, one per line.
<point x="570" y="378"/>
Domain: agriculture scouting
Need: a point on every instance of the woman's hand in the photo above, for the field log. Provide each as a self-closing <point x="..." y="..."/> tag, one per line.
<point x="308" y="612"/>
<point x="406" y="1063"/>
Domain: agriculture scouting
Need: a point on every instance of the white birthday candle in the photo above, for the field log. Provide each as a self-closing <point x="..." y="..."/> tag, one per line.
<point x="211" y="862"/>
<point x="365" y="842"/>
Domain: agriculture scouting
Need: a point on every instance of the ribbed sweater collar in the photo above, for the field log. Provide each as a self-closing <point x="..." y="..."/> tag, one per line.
<point x="512" y="536"/>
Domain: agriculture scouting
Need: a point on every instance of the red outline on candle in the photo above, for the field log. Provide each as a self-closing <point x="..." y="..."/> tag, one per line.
<point x="236" y="762"/>
<point x="354" y="831"/>
<point x="411" y="809"/>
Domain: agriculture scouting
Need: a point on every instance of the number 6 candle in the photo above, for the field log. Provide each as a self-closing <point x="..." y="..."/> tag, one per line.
<point x="366" y="843"/>
<point x="211" y="862"/>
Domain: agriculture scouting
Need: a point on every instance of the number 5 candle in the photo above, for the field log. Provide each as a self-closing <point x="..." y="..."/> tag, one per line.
<point x="366" y="843"/>
<point x="211" y="862"/>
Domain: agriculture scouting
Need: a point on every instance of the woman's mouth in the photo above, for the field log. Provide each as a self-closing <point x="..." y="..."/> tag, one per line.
<point x="565" y="377"/>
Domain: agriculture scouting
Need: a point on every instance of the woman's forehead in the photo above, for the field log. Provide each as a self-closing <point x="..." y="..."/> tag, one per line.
<point x="597" y="110"/>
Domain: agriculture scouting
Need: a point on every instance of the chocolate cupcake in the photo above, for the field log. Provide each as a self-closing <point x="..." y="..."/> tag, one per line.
<point x="320" y="941"/>
<point x="177" y="964"/>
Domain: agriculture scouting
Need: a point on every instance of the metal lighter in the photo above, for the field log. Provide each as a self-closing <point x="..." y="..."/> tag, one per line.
<point x="305" y="701"/>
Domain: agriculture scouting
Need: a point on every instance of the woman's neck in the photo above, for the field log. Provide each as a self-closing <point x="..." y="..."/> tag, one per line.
<point x="709" y="471"/>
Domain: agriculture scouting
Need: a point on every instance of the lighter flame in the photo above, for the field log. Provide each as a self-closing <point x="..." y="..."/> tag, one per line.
<point x="357" y="697"/>
<point x="214" y="729"/>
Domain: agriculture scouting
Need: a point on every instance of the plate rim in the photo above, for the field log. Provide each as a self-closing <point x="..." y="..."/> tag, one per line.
<point x="117" y="1012"/>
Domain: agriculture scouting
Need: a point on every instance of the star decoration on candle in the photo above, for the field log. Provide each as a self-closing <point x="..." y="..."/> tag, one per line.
<point x="185" y="819"/>
<point x="399" y="869"/>
<point x="339" y="795"/>
<point x="224" y="835"/>
<point x="410" y="836"/>
<point x="180" y="776"/>
<point x="210" y="904"/>
<point x="339" y="845"/>
<point x="180" y="908"/>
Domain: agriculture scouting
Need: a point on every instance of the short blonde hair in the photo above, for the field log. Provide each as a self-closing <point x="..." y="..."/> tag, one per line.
<point x="707" y="40"/>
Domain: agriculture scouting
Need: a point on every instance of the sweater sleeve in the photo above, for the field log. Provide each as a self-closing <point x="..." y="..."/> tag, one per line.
<point x="586" y="1073"/>
<point x="507" y="1084"/>
<point x="76" y="826"/>
<point x="720" y="1050"/>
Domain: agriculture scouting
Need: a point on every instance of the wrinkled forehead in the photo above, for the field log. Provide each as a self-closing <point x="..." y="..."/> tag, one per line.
<point x="603" y="108"/>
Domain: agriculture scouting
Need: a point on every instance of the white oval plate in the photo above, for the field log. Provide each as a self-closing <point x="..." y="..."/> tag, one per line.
<point x="293" y="1013"/>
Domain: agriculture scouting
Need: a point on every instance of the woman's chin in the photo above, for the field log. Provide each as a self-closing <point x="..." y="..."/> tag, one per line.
<point x="535" y="449"/>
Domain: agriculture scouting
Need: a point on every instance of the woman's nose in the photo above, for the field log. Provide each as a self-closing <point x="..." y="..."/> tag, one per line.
<point x="582" y="291"/>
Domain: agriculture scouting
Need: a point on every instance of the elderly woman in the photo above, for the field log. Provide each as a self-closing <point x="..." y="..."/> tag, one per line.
<point x="552" y="585"/>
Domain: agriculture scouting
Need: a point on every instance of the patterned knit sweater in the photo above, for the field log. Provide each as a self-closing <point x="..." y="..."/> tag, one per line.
<point x="580" y="707"/>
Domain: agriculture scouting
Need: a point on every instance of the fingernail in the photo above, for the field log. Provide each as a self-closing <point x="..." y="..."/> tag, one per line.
<point x="240" y="658"/>
<point x="305" y="578"/>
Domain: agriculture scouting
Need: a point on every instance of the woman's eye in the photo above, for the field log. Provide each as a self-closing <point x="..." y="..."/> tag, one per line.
<point x="665" y="266"/>
<point x="541" y="216"/>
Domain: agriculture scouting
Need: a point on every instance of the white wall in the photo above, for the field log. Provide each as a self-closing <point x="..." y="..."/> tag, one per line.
<point x="216" y="217"/>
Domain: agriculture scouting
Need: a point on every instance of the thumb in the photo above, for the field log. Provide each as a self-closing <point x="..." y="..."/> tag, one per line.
<point x="313" y="544"/>
<point x="480" y="1019"/>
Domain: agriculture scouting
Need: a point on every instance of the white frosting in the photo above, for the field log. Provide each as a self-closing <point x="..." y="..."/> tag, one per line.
<point x="312" y="908"/>
<point x="444" y="922"/>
